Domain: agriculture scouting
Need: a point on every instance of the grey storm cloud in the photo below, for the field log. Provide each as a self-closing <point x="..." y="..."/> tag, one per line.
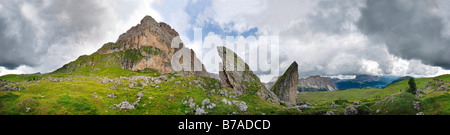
<point x="411" y="29"/>
<point x="28" y="29"/>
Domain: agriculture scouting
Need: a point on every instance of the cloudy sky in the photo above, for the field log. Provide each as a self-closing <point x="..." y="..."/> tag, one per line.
<point x="325" y="37"/>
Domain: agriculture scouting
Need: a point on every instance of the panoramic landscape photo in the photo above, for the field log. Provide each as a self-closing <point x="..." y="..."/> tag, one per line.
<point x="225" y="57"/>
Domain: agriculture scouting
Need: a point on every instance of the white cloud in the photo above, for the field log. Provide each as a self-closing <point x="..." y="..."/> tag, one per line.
<point x="44" y="35"/>
<point x="19" y="70"/>
<point x="320" y="35"/>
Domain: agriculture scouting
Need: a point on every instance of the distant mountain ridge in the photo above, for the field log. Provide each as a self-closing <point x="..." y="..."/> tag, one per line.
<point x="311" y="83"/>
<point x="316" y="83"/>
<point x="362" y="81"/>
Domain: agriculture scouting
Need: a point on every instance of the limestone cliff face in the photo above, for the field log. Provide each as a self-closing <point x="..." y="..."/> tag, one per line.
<point x="242" y="81"/>
<point x="316" y="83"/>
<point x="148" y="45"/>
<point x="286" y="86"/>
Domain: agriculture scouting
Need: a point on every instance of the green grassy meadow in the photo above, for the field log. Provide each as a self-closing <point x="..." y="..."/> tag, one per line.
<point x="70" y="91"/>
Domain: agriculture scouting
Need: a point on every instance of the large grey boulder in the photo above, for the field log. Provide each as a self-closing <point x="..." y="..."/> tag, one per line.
<point x="329" y="113"/>
<point x="200" y="111"/>
<point x="225" y="101"/>
<point x="241" y="105"/>
<point x="416" y="105"/>
<point x="286" y="86"/>
<point x="211" y="106"/>
<point x="351" y="110"/>
<point x="140" y="95"/>
<point x="125" y="105"/>
<point x="206" y="101"/>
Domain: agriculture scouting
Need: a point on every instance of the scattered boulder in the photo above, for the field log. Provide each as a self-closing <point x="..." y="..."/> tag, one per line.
<point x="17" y="88"/>
<point x="416" y="105"/>
<point x="132" y="85"/>
<point x="6" y="88"/>
<point x="144" y="84"/>
<point x="442" y="88"/>
<point x="241" y="104"/>
<point x="191" y="103"/>
<point x="200" y="111"/>
<point x="124" y="105"/>
<point x="135" y="103"/>
<point x="112" y="95"/>
<point x="350" y="110"/>
<point x="329" y="113"/>
<point x="304" y="106"/>
<point x="356" y="102"/>
<point x="157" y="81"/>
<point x="51" y="79"/>
<point x="223" y="92"/>
<point x="95" y="95"/>
<point x="140" y="95"/>
<point x="420" y="113"/>
<point x="206" y="101"/>
<point x="225" y="101"/>
<point x="28" y="109"/>
<point x="163" y="78"/>
<point x="286" y="86"/>
<point x="105" y="80"/>
<point x="211" y="106"/>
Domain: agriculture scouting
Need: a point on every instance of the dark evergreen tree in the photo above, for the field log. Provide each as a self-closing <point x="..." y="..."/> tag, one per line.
<point x="412" y="86"/>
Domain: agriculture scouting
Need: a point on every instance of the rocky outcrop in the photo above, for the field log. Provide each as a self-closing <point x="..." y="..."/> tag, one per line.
<point x="147" y="45"/>
<point x="153" y="41"/>
<point x="316" y="83"/>
<point x="286" y="86"/>
<point x="351" y="110"/>
<point x="236" y="74"/>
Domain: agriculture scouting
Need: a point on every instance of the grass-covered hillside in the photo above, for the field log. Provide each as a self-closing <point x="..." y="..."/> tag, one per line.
<point x="92" y="93"/>
<point x="392" y="100"/>
<point x="97" y="85"/>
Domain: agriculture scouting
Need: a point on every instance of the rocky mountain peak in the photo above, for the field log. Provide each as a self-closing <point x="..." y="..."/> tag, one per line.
<point x="149" y="26"/>
<point x="147" y="46"/>
<point x="316" y="83"/>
